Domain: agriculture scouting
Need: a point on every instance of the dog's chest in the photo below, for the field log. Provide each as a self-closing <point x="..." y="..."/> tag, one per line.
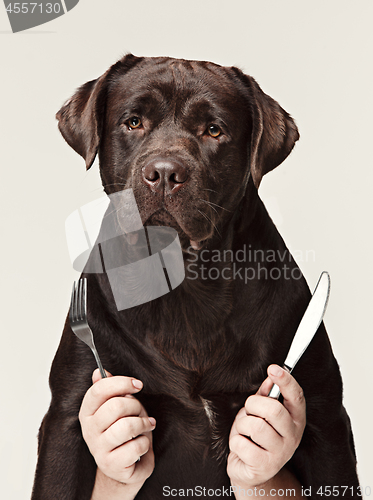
<point x="201" y="422"/>
<point x="220" y="411"/>
<point x="209" y="411"/>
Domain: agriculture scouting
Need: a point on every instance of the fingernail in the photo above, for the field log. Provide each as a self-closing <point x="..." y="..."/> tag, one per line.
<point x="137" y="384"/>
<point x="152" y="421"/>
<point x="275" y="371"/>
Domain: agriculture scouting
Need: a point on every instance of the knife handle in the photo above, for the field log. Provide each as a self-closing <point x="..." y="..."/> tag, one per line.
<point x="274" y="393"/>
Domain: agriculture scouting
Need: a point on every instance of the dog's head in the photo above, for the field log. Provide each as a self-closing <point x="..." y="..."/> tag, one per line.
<point x="184" y="135"/>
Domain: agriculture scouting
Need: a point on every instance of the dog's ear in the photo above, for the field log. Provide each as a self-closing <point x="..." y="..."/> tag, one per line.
<point x="274" y="131"/>
<point x="81" y="118"/>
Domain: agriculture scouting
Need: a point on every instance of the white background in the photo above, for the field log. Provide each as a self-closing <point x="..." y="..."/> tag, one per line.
<point x="315" y="58"/>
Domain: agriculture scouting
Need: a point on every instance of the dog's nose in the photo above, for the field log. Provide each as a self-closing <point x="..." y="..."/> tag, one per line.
<point x="167" y="175"/>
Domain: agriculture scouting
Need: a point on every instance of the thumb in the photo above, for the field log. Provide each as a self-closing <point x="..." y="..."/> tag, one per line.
<point x="96" y="375"/>
<point x="265" y="387"/>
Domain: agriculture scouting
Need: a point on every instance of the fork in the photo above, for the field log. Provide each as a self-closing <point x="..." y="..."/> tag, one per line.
<point x="78" y="319"/>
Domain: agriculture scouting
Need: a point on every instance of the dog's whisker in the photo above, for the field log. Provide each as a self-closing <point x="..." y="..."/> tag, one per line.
<point x="202" y="213"/>
<point x="115" y="184"/>
<point x="208" y="203"/>
<point x="219" y="206"/>
<point x="208" y="218"/>
<point x="116" y="210"/>
<point x="212" y="190"/>
<point x="216" y="205"/>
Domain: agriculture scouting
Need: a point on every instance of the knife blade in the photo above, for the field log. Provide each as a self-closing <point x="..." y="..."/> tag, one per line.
<point x="307" y="327"/>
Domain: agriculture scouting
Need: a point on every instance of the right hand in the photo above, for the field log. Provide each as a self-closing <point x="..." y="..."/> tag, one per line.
<point x="117" y="429"/>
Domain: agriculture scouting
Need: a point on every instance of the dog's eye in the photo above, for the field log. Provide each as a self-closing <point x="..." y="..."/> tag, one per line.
<point x="134" y="122"/>
<point x="214" y="131"/>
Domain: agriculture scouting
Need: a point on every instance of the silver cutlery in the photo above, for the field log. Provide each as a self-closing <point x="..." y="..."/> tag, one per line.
<point x="307" y="327"/>
<point x="78" y="319"/>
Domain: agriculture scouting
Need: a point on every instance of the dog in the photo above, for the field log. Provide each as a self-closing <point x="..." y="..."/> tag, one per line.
<point x="193" y="140"/>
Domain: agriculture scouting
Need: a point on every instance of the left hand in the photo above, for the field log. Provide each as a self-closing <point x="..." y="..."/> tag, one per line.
<point x="275" y="430"/>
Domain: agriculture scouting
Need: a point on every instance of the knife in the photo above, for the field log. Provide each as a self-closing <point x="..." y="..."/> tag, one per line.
<point x="307" y="327"/>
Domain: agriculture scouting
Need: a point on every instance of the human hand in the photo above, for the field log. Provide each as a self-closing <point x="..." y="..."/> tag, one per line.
<point x="117" y="429"/>
<point x="275" y="430"/>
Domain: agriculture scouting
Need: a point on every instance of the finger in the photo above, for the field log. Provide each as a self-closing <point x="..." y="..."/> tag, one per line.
<point x="105" y="389"/>
<point x="260" y="432"/>
<point x="251" y="454"/>
<point x="145" y="466"/>
<point x="265" y="387"/>
<point x="236" y="468"/>
<point x="127" y="455"/>
<point x="291" y="391"/>
<point x="126" y="430"/>
<point x="114" y="409"/>
<point x="272" y="411"/>
<point x="96" y="375"/>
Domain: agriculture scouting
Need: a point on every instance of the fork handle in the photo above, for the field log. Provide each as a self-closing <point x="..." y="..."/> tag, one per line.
<point x="98" y="361"/>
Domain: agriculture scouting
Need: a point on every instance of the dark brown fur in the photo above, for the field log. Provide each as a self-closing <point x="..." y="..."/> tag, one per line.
<point x="210" y="339"/>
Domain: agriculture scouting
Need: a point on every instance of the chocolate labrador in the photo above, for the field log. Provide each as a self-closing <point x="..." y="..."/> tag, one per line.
<point x="193" y="140"/>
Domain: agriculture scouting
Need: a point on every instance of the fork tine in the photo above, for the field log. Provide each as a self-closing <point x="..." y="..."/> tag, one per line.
<point x="79" y="299"/>
<point x="76" y="302"/>
<point x="72" y="304"/>
<point x="78" y="319"/>
<point x="84" y="299"/>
